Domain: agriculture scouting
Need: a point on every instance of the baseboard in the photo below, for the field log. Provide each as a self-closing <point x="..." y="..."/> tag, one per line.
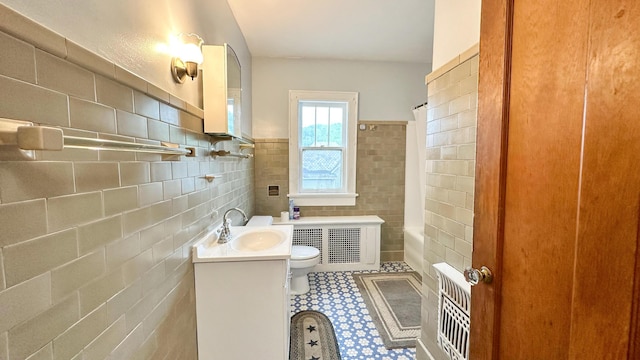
<point x="424" y="348"/>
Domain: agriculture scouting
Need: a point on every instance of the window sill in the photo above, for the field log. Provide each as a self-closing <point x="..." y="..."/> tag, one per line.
<point x="324" y="199"/>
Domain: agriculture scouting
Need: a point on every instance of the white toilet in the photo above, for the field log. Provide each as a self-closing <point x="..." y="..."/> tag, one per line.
<point x="303" y="260"/>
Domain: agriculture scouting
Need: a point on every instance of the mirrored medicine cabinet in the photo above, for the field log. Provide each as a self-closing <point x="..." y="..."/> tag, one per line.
<point x="221" y="91"/>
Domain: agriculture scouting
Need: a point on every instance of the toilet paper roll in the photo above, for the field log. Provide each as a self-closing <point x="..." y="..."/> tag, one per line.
<point x="284" y="216"/>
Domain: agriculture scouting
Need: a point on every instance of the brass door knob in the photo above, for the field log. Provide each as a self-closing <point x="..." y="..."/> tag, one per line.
<point x="475" y="276"/>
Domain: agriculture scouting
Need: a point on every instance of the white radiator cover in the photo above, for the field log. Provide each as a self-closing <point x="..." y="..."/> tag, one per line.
<point x="346" y="243"/>
<point x="454" y="303"/>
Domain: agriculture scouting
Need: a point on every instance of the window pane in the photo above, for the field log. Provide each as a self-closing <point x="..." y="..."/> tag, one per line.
<point x="321" y="170"/>
<point x="308" y="125"/>
<point x="336" y="121"/>
<point x="322" y="126"/>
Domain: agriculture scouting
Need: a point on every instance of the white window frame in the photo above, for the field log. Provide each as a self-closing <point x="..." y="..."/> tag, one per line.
<point x="348" y="196"/>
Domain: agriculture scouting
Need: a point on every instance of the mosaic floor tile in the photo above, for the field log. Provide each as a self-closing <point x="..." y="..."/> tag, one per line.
<point x="337" y="296"/>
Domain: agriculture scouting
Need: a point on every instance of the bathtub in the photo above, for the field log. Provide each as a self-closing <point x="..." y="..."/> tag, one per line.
<point x="414" y="247"/>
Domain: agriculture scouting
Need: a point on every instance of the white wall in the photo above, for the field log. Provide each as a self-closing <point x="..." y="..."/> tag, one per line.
<point x="129" y="33"/>
<point x="456" y="29"/>
<point x="388" y="91"/>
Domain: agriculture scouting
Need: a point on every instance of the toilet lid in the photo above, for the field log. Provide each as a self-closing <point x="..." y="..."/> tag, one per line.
<point x="301" y="252"/>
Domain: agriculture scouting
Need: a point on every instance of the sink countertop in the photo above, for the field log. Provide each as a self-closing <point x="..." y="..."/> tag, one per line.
<point x="207" y="248"/>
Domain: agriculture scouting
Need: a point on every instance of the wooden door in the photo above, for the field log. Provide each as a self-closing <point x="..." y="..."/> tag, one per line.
<point x="557" y="209"/>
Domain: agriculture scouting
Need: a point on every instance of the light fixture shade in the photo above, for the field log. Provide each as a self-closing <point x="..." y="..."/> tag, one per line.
<point x="187" y="57"/>
<point x="191" y="53"/>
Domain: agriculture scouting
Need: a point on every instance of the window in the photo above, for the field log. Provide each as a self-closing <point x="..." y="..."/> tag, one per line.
<point x="322" y="147"/>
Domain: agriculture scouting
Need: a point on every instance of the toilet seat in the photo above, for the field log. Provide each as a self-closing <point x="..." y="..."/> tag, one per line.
<point x="302" y="252"/>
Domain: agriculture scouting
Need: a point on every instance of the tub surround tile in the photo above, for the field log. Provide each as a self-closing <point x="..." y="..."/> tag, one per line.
<point x="31" y="32"/>
<point x="158" y="130"/>
<point x="134" y="173"/>
<point x="3" y="284"/>
<point x="24" y="261"/>
<point x="122" y="250"/>
<point x="90" y="61"/>
<point x="99" y="233"/>
<point x="150" y="193"/>
<point x="99" y="291"/>
<point x="24" y="301"/>
<point x="195" y="124"/>
<point x="53" y="109"/>
<point x="18" y="59"/>
<point x="153" y="278"/>
<point x="130" y="79"/>
<point x="157" y="93"/>
<point x="116" y="95"/>
<point x="128" y="347"/>
<point x="169" y="114"/>
<point x="152" y="235"/>
<point x="45" y="353"/>
<point x="124" y="300"/>
<point x="74" y="275"/>
<point x="60" y="75"/>
<point x="146" y="106"/>
<point x="22" y="221"/>
<point x="177" y="102"/>
<point x="178" y="170"/>
<point x="196" y="111"/>
<point x="162" y="250"/>
<point x="76" y="337"/>
<point x="23" y="180"/>
<point x="177" y="135"/>
<point x="120" y="200"/>
<point x="171" y="189"/>
<point x="92" y="116"/>
<point x="101" y="347"/>
<point x="67" y="211"/>
<point x="188" y="185"/>
<point x="92" y="176"/>
<point x="131" y="124"/>
<point x="133" y="269"/>
<point x="160" y="171"/>
<point x="30" y="336"/>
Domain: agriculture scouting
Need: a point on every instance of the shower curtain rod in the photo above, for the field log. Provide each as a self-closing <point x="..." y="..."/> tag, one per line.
<point x="421" y="105"/>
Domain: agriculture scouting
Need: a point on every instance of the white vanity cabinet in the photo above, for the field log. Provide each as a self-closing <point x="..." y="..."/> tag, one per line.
<point x="243" y="309"/>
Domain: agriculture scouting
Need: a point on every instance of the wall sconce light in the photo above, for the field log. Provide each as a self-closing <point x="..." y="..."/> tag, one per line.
<point x="187" y="57"/>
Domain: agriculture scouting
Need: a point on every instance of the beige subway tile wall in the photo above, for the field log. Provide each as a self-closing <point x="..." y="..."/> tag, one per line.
<point x="379" y="183"/>
<point x="451" y="130"/>
<point x="95" y="247"/>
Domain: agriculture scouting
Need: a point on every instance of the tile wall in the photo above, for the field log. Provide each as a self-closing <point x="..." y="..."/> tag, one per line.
<point x="379" y="181"/>
<point x="451" y="138"/>
<point x="95" y="246"/>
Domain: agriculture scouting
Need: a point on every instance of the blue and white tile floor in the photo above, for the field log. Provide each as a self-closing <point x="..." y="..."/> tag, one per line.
<point x="336" y="295"/>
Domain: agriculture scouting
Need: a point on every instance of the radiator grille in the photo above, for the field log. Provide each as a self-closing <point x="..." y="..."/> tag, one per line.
<point x="453" y="312"/>
<point x="344" y="245"/>
<point x="309" y="237"/>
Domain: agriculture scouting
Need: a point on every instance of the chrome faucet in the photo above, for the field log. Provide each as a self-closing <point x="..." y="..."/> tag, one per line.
<point x="225" y="233"/>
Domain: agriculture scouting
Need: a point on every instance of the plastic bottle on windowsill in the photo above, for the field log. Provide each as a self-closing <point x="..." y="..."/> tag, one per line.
<point x="296" y="213"/>
<point x="290" y="209"/>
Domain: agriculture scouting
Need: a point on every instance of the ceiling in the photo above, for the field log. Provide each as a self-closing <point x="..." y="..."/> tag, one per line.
<point x="369" y="30"/>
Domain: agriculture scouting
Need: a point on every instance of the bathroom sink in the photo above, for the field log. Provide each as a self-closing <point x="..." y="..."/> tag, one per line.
<point x="247" y="243"/>
<point x="257" y="240"/>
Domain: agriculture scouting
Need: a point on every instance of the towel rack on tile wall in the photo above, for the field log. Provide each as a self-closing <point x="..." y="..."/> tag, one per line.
<point x="229" y="153"/>
<point x="18" y="140"/>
